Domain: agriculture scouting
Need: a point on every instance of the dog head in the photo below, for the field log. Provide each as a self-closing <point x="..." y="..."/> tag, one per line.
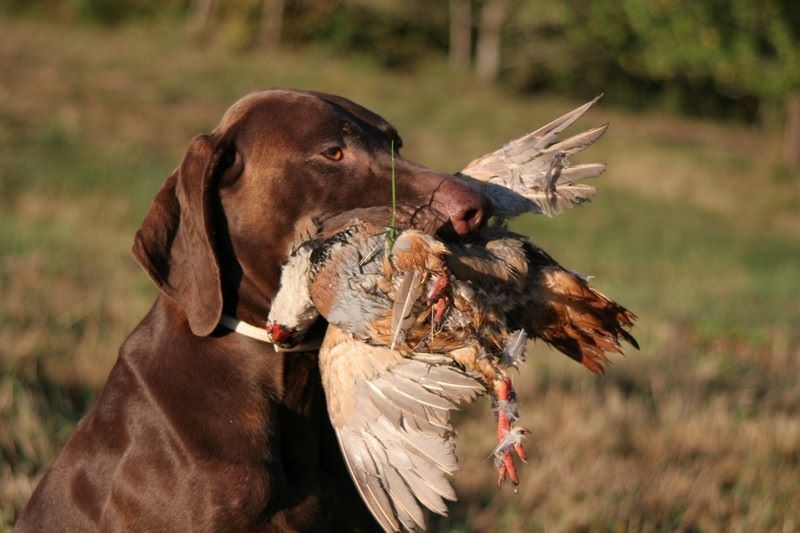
<point x="222" y="224"/>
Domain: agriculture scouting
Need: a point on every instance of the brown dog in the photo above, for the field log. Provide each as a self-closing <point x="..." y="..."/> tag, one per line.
<point x="200" y="428"/>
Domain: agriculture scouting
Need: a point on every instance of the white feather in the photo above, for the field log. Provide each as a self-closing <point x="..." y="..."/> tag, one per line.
<point x="292" y="306"/>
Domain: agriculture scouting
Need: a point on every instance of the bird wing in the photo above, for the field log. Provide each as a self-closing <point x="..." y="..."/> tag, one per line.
<point x="391" y="417"/>
<point x="532" y="173"/>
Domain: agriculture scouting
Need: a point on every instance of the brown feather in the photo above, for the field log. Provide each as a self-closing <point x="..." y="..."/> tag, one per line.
<point x="576" y="319"/>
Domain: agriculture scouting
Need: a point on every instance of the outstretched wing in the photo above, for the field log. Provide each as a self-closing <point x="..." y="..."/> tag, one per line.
<point x="391" y="417"/>
<point x="533" y="174"/>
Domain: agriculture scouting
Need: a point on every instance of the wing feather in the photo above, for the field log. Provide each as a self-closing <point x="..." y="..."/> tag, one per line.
<point x="367" y="479"/>
<point x="576" y="173"/>
<point x="408" y="293"/>
<point x="532" y="173"/>
<point x="391" y="416"/>
<point x="547" y="133"/>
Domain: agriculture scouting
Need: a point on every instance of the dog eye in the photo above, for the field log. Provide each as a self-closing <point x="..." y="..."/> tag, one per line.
<point x="333" y="153"/>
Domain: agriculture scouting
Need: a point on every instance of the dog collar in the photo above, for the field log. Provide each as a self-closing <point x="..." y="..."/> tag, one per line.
<point x="249" y="330"/>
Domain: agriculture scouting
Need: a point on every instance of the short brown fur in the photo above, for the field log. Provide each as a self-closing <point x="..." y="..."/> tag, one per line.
<point x="202" y="429"/>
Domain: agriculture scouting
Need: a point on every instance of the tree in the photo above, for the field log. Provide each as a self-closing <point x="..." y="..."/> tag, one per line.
<point x="460" y="35"/>
<point x="791" y="138"/>
<point x="731" y="50"/>
<point x="487" y="51"/>
<point x="271" y="23"/>
<point x="201" y="12"/>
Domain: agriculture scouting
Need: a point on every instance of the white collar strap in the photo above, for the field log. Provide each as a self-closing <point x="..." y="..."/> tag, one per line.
<point x="249" y="330"/>
<point x="243" y="328"/>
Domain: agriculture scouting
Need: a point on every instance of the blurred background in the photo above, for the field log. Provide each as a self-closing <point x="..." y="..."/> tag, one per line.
<point x="696" y="226"/>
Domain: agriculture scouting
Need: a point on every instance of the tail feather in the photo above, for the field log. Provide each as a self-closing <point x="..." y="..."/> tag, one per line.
<point x="576" y="319"/>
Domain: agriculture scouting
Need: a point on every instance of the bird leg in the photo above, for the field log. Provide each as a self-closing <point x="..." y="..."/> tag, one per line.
<point x="508" y="438"/>
<point x="438" y="295"/>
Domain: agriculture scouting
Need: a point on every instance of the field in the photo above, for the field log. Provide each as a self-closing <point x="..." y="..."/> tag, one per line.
<point x="696" y="228"/>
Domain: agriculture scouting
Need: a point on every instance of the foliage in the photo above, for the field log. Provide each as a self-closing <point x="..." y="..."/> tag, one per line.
<point x="723" y="58"/>
<point x="395" y="34"/>
<point x="739" y="51"/>
<point x="716" y="57"/>
<point x="98" y="11"/>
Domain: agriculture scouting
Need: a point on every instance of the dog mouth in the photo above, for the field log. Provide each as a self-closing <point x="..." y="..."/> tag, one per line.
<point x="423" y="218"/>
<point x="429" y="220"/>
<point x="405" y="216"/>
<point x="447" y="232"/>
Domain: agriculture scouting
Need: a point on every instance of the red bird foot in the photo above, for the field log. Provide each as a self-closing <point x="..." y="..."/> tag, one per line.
<point x="438" y="296"/>
<point x="508" y="438"/>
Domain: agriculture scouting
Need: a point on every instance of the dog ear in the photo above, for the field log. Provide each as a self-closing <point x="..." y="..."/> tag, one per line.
<point x="175" y="243"/>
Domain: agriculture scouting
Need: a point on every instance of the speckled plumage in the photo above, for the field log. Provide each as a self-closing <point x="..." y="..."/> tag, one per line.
<point x="500" y="289"/>
<point x="416" y="330"/>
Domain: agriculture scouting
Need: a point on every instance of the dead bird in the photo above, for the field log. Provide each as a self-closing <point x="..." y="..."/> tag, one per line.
<point x="529" y="174"/>
<point x="418" y="329"/>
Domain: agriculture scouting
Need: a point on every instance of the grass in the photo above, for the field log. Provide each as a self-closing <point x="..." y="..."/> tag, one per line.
<point x="393" y="223"/>
<point x="696" y="228"/>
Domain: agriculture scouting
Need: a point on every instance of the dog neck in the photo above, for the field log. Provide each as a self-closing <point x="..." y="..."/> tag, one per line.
<point x="249" y="330"/>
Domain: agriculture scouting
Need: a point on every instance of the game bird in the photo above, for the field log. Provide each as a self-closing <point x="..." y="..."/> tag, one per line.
<point x="418" y="325"/>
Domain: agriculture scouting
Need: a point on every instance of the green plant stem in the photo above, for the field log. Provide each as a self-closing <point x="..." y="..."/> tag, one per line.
<point x="393" y="225"/>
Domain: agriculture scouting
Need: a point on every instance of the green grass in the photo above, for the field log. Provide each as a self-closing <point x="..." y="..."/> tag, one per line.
<point x="393" y="223"/>
<point x="696" y="228"/>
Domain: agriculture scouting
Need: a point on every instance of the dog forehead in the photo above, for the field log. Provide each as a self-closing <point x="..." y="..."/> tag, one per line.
<point x="273" y="108"/>
<point x="302" y="114"/>
<point x="362" y="115"/>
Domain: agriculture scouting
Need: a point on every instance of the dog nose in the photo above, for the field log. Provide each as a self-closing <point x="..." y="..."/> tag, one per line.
<point x="466" y="209"/>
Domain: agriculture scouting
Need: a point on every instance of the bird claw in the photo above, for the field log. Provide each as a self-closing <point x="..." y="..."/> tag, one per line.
<point x="438" y="297"/>
<point x="440" y="285"/>
<point x="504" y="458"/>
<point x="509" y="438"/>
<point x="507" y="468"/>
<point x="520" y="451"/>
<point x="439" y="309"/>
